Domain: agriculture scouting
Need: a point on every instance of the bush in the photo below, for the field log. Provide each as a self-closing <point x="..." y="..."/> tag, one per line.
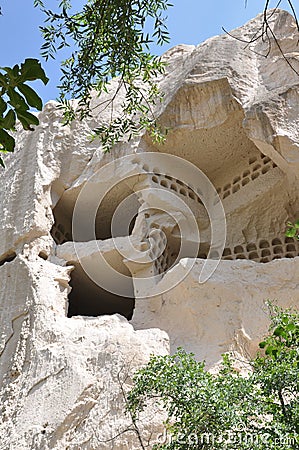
<point x="227" y="410"/>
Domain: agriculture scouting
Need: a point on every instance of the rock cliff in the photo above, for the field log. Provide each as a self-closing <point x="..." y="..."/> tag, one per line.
<point x="108" y="258"/>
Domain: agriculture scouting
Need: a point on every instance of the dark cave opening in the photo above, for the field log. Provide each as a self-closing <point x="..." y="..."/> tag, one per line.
<point x="88" y="299"/>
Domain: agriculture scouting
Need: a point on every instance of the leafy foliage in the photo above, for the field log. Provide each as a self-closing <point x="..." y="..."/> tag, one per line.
<point x="227" y="410"/>
<point x="293" y="230"/>
<point x="110" y="43"/>
<point x="16" y="98"/>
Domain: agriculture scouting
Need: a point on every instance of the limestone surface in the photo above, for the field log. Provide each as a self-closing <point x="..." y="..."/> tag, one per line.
<point x="106" y="259"/>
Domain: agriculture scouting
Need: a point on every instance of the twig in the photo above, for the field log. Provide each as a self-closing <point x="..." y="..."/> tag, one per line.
<point x="264" y="31"/>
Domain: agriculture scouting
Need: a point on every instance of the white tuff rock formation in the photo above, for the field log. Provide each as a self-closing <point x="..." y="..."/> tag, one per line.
<point x="83" y="306"/>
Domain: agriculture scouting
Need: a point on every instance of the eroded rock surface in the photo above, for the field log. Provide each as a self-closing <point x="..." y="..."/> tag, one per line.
<point x="90" y="289"/>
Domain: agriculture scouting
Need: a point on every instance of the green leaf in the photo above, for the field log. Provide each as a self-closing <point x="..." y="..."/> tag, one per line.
<point x="9" y="120"/>
<point x="3" y="80"/>
<point x="3" y="106"/>
<point x="291" y="327"/>
<point x="7" y="141"/>
<point x="262" y="344"/>
<point x="11" y="72"/>
<point x="16" y="100"/>
<point x="269" y="350"/>
<point x="27" y="119"/>
<point x="279" y="331"/>
<point x="297" y="224"/>
<point x="39" y="3"/>
<point x="31" y="96"/>
<point x="291" y="232"/>
<point x="32" y="70"/>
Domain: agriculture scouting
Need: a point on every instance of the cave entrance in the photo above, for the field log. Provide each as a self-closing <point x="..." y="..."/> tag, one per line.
<point x="88" y="299"/>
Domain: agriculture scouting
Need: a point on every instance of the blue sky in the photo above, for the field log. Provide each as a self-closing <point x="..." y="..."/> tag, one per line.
<point x="189" y="22"/>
